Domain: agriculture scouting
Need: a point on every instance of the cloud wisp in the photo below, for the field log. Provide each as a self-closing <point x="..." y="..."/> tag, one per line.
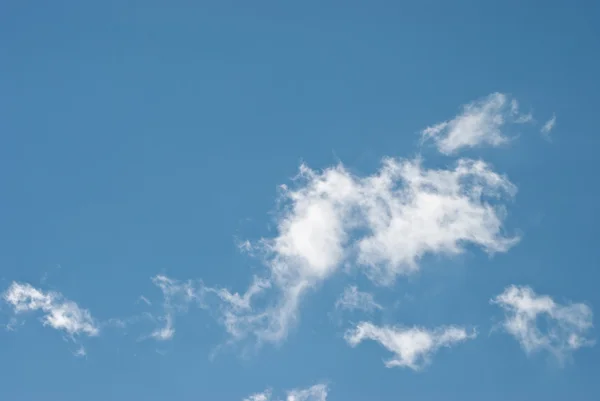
<point x="548" y="127"/>
<point x="177" y="296"/>
<point x="352" y="300"/>
<point x="566" y="326"/>
<point x="480" y="123"/>
<point x="317" y="392"/>
<point x="412" y="347"/>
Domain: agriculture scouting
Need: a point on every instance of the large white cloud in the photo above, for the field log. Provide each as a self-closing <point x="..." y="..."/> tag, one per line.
<point x="383" y="224"/>
<point x="412" y="347"/>
<point x="566" y="326"/>
<point x="479" y="123"/>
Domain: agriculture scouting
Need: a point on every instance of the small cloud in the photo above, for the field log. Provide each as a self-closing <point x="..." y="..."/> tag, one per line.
<point x="566" y="326"/>
<point x="317" y="392"/>
<point x="548" y="126"/>
<point x="59" y="313"/>
<point x="264" y="396"/>
<point x="145" y="300"/>
<point x="12" y="324"/>
<point x="479" y="123"/>
<point x="353" y="299"/>
<point x="412" y="347"/>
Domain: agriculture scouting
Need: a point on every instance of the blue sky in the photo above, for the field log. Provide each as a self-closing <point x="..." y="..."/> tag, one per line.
<point x="300" y="201"/>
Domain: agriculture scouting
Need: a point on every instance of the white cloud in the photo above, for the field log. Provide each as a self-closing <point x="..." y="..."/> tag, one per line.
<point x="317" y="392"/>
<point x="412" y="347"/>
<point x="353" y="299"/>
<point x="314" y="393"/>
<point x="548" y="126"/>
<point x="264" y="396"/>
<point x="480" y="123"/>
<point x="383" y="224"/>
<point x="410" y="211"/>
<point x="59" y="313"/>
<point x="566" y="326"/>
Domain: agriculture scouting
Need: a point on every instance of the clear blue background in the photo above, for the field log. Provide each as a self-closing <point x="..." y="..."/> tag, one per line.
<point x="142" y="137"/>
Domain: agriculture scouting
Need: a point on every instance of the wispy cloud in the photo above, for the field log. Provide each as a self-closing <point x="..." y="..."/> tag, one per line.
<point x="548" y="126"/>
<point x="412" y="347"/>
<point x="566" y="326"/>
<point x="59" y="313"/>
<point x="353" y="299"/>
<point x="177" y="295"/>
<point x="317" y="392"/>
<point x="480" y="123"/>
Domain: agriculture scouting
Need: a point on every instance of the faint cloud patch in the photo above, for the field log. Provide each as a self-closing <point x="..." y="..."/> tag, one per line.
<point x="566" y="326"/>
<point x="317" y="392"/>
<point x="548" y="127"/>
<point x="352" y="299"/>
